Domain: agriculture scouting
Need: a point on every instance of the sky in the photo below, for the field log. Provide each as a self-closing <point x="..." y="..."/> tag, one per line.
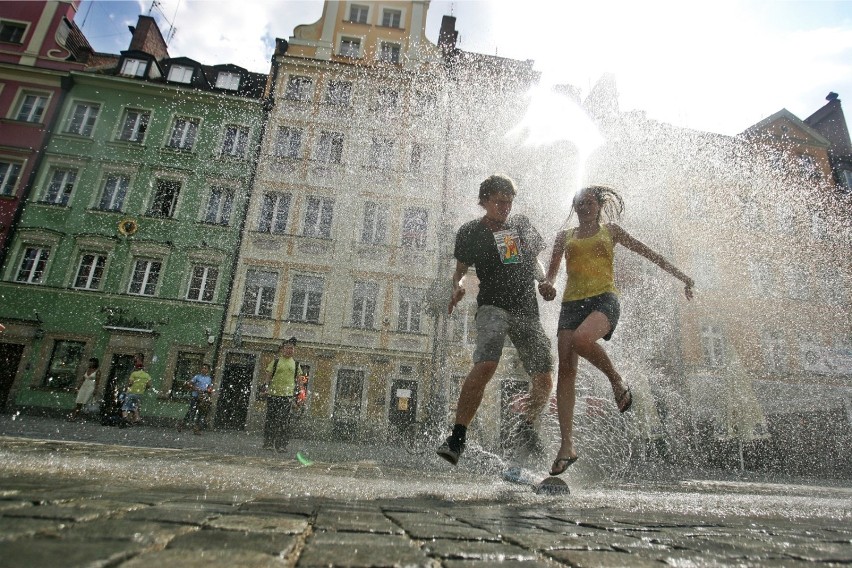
<point x="713" y="65"/>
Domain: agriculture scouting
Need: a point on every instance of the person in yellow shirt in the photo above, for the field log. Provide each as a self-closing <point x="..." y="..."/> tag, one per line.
<point x="279" y="388"/>
<point x="137" y="384"/>
<point x="590" y="307"/>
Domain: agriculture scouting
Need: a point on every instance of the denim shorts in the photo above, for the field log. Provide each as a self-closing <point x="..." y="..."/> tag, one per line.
<point x="493" y="324"/>
<point x="575" y="312"/>
<point x="131" y="403"/>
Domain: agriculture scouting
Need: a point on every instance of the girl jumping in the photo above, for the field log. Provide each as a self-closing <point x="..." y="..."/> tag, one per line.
<point x="590" y="307"/>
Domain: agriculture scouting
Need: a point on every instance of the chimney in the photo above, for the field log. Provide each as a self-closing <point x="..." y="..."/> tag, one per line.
<point x="448" y="36"/>
<point x="148" y="38"/>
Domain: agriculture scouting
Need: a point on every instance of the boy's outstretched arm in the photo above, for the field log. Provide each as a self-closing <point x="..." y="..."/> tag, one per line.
<point x="458" y="289"/>
<point x="623" y="238"/>
<point x="546" y="287"/>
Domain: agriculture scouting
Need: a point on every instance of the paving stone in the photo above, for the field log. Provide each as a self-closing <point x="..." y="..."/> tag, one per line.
<point x="456" y="531"/>
<point x="374" y="556"/>
<point x="142" y="532"/>
<point x="79" y="511"/>
<point x="30" y="552"/>
<point x="491" y="564"/>
<point x="260" y="523"/>
<point x="189" y="558"/>
<point x="476" y="550"/>
<point x="160" y="513"/>
<point x="356" y="521"/>
<point x="12" y="528"/>
<point x="594" y="559"/>
<point x="276" y="544"/>
<point x="822" y="552"/>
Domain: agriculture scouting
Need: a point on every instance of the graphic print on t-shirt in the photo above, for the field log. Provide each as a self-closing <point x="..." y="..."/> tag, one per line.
<point x="508" y="246"/>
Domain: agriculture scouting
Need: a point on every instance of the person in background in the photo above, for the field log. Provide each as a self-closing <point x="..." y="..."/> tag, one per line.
<point x="137" y="384"/>
<point x="504" y="250"/>
<point x="86" y="389"/>
<point x="279" y="389"/>
<point x="590" y="307"/>
<point x="201" y="388"/>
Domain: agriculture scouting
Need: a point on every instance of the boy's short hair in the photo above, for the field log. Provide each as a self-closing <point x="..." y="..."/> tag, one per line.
<point x="497" y="183"/>
<point x="292" y="341"/>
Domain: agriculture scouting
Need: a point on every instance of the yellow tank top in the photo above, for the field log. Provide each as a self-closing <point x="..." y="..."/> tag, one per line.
<point x="589" y="264"/>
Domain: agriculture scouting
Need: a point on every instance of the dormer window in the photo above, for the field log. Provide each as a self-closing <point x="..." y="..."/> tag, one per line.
<point x="134" y="67"/>
<point x="391" y="18"/>
<point x="389" y="52"/>
<point x="180" y="74"/>
<point x="227" y="80"/>
<point x="12" y="32"/>
<point x="350" y="47"/>
<point x="358" y="13"/>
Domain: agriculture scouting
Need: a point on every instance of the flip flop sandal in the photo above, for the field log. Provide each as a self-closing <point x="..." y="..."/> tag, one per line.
<point x="561" y="464"/>
<point x="628" y="396"/>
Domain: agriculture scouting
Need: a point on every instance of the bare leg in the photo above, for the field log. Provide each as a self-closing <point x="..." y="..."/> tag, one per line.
<point x="585" y="343"/>
<point x="566" y="392"/>
<point x="472" y="391"/>
<point x="540" y="387"/>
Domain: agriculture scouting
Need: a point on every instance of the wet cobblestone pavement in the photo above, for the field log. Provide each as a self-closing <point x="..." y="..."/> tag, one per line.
<point x="117" y="503"/>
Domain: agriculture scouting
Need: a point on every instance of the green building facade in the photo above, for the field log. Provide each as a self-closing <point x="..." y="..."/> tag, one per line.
<point x="128" y="242"/>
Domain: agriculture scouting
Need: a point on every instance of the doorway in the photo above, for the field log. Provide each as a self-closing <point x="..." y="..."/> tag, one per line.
<point x="120" y="367"/>
<point x="403" y="404"/>
<point x="10" y="358"/>
<point x="347" y="404"/>
<point x="235" y="392"/>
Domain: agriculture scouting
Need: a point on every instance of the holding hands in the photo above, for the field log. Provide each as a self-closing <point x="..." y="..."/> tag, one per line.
<point x="547" y="290"/>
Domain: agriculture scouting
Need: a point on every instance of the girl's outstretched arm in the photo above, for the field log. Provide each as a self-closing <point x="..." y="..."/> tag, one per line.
<point x="545" y="287"/>
<point x="623" y="238"/>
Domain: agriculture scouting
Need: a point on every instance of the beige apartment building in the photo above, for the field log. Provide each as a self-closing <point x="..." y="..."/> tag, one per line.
<point x="371" y="159"/>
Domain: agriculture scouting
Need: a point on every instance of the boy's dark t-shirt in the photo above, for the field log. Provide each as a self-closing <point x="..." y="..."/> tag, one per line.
<point x="505" y="262"/>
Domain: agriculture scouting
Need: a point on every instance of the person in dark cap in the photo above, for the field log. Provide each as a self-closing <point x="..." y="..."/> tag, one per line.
<point x="280" y="387"/>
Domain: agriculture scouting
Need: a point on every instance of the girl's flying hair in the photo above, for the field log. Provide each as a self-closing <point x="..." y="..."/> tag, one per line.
<point x="611" y="203"/>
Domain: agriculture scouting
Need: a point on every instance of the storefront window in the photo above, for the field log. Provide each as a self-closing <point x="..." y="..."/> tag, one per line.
<point x="64" y="362"/>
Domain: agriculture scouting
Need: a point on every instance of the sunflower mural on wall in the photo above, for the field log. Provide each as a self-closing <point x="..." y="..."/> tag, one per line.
<point x="128" y="227"/>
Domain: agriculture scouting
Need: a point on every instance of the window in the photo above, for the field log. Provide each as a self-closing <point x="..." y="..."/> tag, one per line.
<point x="186" y="367"/>
<point x="202" y="283"/>
<point x="228" y="80"/>
<point x="31" y="108"/>
<point x="391" y="18"/>
<point x="330" y="147"/>
<point x="415" y="164"/>
<point x="12" y="32"/>
<point x="381" y="153"/>
<point x="273" y="213"/>
<point x="288" y="143"/>
<point x="350" y="47"/>
<point x="364" y="296"/>
<point x="235" y="141"/>
<point x="219" y="206"/>
<point x="358" y="13"/>
<point x="33" y="264"/>
<point x="134" y="123"/>
<point x="796" y="278"/>
<point x="165" y="198"/>
<point x="146" y="274"/>
<point x="389" y="52"/>
<point x="338" y="93"/>
<point x="318" y="217"/>
<point x="713" y="344"/>
<point x="61" y="185"/>
<point x="774" y="352"/>
<point x="375" y="223"/>
<point x="414" y="225"/>
<point x="9" y="174"/>
<point x="90" y="272"/>
<point x="82" y="120"/>
<point x="64" y="361"/>
<point x="425" y="103"/>
<point x="259" y="293"/>
<point x="808" y="167"/>
<point x="306" y="298"/>
<point x="762" y="277"/>
<point x="180" y="74"/>
<point x="299" y="88"/>
<point x="387" y="99"/>
<point x="115" y="190"/>
<point x="410" y="307"/>
<point x="134" y="67"/>
<point x="183" y="135"/>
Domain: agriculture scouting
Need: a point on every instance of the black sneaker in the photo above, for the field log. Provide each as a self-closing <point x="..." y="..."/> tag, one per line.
<point x="450" y="450"/>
